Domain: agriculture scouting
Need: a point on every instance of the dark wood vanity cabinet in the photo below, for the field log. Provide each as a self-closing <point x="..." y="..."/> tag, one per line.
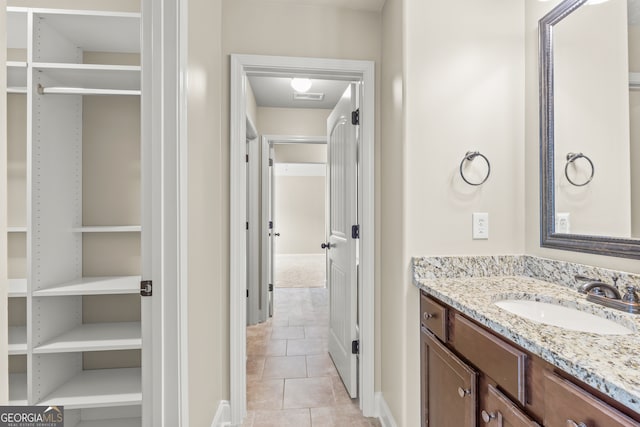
<point x="471" y="377"/>
<point x="449" y="392"/>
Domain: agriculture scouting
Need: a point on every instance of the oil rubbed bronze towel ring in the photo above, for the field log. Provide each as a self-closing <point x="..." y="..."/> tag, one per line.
<point x="469" y="157"/>
<point x="572" y="157"/>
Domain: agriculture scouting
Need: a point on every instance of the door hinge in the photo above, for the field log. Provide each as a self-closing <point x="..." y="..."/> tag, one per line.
<point x="355" y="231"/>
<point x="270" y="162"/>
<point x="146" y="288"/>
<point x="270" y="287"/>
<point x="270" y="225"/>
<point x="247" y="293"/>
<point x="355" y="117"/>
<point x="355" y="347"/>
<point x="247" y="225"/>
<point x="246" y="158"/>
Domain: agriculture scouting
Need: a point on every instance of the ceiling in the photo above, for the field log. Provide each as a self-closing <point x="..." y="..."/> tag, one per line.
<point x="373" y="5"/>
<point x="277" y="92"/>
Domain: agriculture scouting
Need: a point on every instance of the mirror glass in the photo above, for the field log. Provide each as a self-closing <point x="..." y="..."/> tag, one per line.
<point x="596" y="54"/>
<point x="590" y="127"/>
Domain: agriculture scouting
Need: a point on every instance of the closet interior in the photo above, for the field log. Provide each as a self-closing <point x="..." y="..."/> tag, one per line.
<point x="74" y="213"/>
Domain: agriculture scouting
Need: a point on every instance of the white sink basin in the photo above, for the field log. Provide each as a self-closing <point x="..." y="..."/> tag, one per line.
<point x="563" y="317"/>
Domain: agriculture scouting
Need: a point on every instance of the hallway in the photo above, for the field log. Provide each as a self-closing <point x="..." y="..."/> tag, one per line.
<point x="291" y="380"/>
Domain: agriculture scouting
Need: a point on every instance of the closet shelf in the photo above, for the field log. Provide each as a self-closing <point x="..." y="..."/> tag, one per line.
<point x="93" y="31"/>
<point x="114" y="422"/>
<point x="18" y="389"/>
<point x="17" y="229"/>
<point x="90" y="76"/>
<point x="17" y="340"/>
<point x="95" y="337"/>
<point x="109" y="229"/>
<point x="98" y="388"/>
<point x="17" y="288"/>
<point x="86" y="91"/>
<point x="634" y="80"/>
<point x="16" y="90"/>
<point x="107" y="285"/>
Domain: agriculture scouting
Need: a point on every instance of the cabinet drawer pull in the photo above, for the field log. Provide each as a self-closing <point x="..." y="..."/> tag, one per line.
<point x="428" y="316"/>
<point x="571" y="423"/>
<point x="462" y="392"/>
<point x="487" y="417"/>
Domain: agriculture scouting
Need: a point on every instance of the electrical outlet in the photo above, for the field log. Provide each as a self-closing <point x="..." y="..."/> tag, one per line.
<point x="563" y="222"/>
<point x="480" y="225"/>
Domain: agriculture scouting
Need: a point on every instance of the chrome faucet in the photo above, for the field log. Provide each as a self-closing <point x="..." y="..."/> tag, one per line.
<point x="598" y="287"/>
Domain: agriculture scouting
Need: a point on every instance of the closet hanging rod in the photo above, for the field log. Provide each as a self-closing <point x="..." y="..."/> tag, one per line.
<point x="85" y="91"/>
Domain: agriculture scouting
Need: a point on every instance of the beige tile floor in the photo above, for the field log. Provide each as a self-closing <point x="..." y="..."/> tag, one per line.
<point x="291" y="380"/>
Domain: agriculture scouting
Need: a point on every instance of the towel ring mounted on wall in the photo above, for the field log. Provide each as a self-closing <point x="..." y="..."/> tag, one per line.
<point x="572" y="157"/>
<point x="469" y="157"/>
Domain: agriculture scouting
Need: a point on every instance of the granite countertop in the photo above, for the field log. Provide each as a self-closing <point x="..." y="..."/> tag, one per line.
<point x="609" y="363"/>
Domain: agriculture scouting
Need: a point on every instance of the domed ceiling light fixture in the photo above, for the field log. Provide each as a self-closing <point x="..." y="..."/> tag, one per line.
<point x="300" y="85"/>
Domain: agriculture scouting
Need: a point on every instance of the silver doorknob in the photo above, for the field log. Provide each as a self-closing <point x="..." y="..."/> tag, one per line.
<point x="462" y="392"/>
<point x="571" y="423"/>
<point x="326" y="246"/>
<point x="487" y="417"/>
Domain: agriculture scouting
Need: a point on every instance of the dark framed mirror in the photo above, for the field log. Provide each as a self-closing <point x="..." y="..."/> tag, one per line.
<point x="589" y="69"/>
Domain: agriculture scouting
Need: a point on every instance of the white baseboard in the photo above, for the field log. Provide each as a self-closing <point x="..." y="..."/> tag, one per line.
<point x="384" y="413"/>
<point x="223" y="415"/>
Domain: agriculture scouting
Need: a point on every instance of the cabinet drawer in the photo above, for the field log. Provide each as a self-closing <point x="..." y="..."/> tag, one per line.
<point x="433" y="316"/>
<point x="499" y="411"/>
<point x="566" y="404"/>
<point x="505" y="364"/>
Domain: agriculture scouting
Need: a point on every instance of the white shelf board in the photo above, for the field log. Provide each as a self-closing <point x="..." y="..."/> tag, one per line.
<point x="95" y="337"/>
<point x="17" y="340"/>
<point x="17" y="389"/>
<point x="109" y="229"/>
<point x="634" y="80"/>
<point x="87" y="91"/>
<point x="92" y="76"/>
<point x="106" y="285"/>
<point x="17" y="288"/>
<point x="98" y="388"/>
<point x="17" y="229"/>
<point x="94" y="30"/>
<point x="16" y="90"/>
<point x="114" y="422"/>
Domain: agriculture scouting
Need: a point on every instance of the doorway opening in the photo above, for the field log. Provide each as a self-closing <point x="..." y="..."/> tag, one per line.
<point x="357" y="280"/>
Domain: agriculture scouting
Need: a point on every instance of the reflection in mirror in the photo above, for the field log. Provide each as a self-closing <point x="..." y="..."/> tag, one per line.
<point x="590" y="127"/>
<point x="591" y="102"/>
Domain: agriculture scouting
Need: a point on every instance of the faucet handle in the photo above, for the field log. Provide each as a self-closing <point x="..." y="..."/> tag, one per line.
<point x="631" y="296"/>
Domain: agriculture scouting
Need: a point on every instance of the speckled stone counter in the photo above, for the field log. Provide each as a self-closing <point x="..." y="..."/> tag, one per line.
<point x="609" y="363"/>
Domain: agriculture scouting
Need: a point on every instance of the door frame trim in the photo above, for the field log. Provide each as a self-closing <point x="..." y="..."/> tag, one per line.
<point x="311" y="67"/>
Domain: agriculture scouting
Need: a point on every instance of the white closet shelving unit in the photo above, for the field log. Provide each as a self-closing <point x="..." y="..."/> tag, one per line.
<point x="60" y="357"/>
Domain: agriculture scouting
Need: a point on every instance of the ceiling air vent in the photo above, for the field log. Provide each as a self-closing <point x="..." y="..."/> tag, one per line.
<point x="308" y="96"/>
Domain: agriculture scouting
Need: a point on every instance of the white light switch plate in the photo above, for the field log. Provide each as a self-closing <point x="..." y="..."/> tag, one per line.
<point x="480" y="225"/>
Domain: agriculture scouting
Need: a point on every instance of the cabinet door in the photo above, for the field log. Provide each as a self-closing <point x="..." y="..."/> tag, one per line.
<point x="567" y="405"/>
<point x="499" y="411"/>
<point x="449" y="392"/>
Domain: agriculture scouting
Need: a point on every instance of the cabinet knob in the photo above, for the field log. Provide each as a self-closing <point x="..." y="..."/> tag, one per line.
<point x="571" y="423"/>
<point x="487" y="417"/>
<point x="462" y="392"/>
<point x="427" y="316"/>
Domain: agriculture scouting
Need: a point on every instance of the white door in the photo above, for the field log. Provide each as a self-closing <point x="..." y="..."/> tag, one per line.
<point x="272" y="230"/>
<point x="342" y="247"/>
